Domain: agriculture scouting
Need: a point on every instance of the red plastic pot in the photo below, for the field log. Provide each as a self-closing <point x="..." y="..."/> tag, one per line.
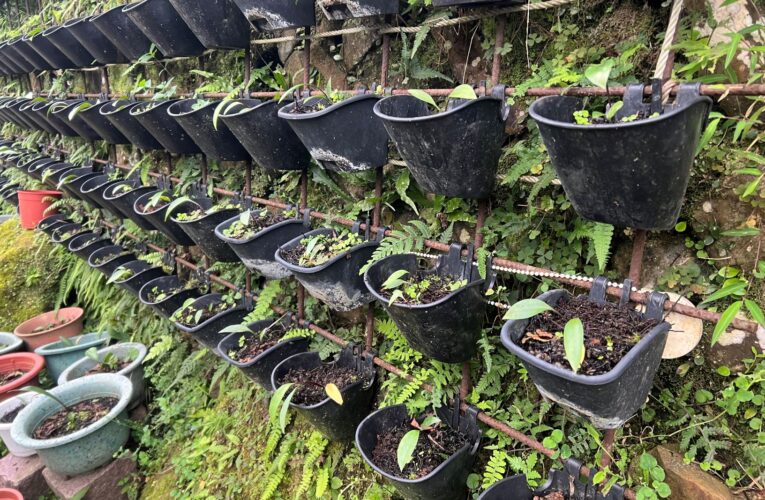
<point x="10" y="494"/>
<point x="32" y="206"/>
<point x="33" y="339"/>
<point x="30" y="363"/>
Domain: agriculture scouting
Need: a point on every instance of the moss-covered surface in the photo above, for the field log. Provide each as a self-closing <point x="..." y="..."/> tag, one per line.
<point x="26" y="287"/>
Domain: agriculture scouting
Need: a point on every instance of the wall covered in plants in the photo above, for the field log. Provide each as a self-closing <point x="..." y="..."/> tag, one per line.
<point x="210" y="434"/>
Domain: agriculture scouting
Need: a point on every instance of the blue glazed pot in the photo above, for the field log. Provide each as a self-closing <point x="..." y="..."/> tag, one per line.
<point x="86" y="449"/>
<point x="11" y="342"/>
<point x="59" y="355"/>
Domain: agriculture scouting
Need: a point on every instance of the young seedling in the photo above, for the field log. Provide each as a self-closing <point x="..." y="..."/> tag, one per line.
<point x="393" y="282"/>
<point x="279" y="405"/>
<point x="463" y="91"/>
<point x="47" y="394"/>
<point x="407" y="445"/>
<point x="120" y="275"/>
<point x="110" y="361"/>
<point x="418" y="289"/>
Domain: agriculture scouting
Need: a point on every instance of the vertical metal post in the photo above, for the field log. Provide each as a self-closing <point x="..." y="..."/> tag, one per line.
<point x="304" y="173"/>
<point x="499" y="42"/>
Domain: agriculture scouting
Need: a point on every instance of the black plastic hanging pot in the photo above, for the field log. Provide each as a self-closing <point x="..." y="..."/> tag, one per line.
<point x="73" y="180"/>
<point x="52" y="55"/>
<point x="100" y="47"/>
<point x="475" y="3"/>
<point x="448" y="481"/>
<point x="260" y="368"/>
<point x="202" y="232"/>
<point x="168" y="305"/>
<point x="84" y="244"/>
<point x="257" y="252"/>
<point x="269" y="15"/>
<point x="337" y="10"/>
<point x="22" y="119"/>
<point x="269" y="139"/>
<point x="63" y="39"/>
<point x="34" y="61"/>
<point x="143" y="273"/>
<point x="63" y="110"/>
<point x="454" y="153"/>
<point x="568" y="481"/>
<point x="607" y="400"/>
<point x="36" y="169"/>
<point x="336" y="422"/>
<point x="448" y="329"/>
<point x="218" y="144"/>
<point x="51" y="223"/>
<point x="337" y="282"/>
<point x="208" y="333"/>
<point x="629" y="174"/>
<point x="43" y="110"/>
<point x="161" y="24"/>
<point x="332" y="134"/>
<point x="53" y="173"/>
<point x="96" y="187"/>
<point x="123" y="201"/>
<point x="11" y="59"/>
<point x="156" y="218"/>
<point x="123" y="33"/>
<point x="118" y="112"/>
<point x="152" y="115"/>
<point x="107" y="267"/>
<point x="101" y="124"/>
<point x="218" y="24"/>
<point x="65" y="233"/>
<point x="11" y="196"/>
<point x="39" y="121"/>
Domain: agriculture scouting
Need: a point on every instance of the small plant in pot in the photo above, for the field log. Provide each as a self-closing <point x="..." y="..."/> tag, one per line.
<point x="125" y="359"/>
<point x="329" y="125"/>
<point x="426" y="456"/>
<point x="198" y="217"/>
<point x="77" y="427"/>
<point x="439" y="309"/>
<point x="257" y="348"/>
<point x="452" y="149"/>
<point x="563" y="484"/>
<point x="109" y="258"/>
<point x="327" y="263"/>
<point x="582" y="351"/>
<point x="255" y="235"/>
<point x="205" y="317"/>
<point x="333" y="396"/>
<point x="132" y="276"/>
<point x="153" y="206"/>
<point x="166" y="294"/>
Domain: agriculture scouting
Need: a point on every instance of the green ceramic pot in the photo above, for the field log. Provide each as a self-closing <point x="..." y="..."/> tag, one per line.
<point x="133" y="371"/>
<point x="61" y="355"/>
<point x="86" y="449"/>
<point x="10" y="342"/>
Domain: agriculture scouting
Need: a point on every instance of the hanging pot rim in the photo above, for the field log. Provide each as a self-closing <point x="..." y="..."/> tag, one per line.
<point x="109" y="109"/>
<point x="110" y="11"/>
<point x="140" y="108"/>
<point x="140" y="295"/>
<point x="200" y="326"/>
<point x="177" y="113"/>
<point x="139" y="273"/>
<point x="104" y="184"/>
<point x="326" y="400"/>
<point x="284" y="112"/>
<point x="250" y="107"/>
<point x="593" y="380"/>
<point x="76" y="20"/>
<point x="103" y="250"/>
<point x="262" y="232"/>
<point x="466" y="448"/>
<point x="109" y="196"/>
<point x="442" y="114"/>
<point x="322" y="267"/>
<point x="669" y="113"/>
<point x="260" y="356"/>
<point x="378" y="296"/>
<point x="131" y="6"/>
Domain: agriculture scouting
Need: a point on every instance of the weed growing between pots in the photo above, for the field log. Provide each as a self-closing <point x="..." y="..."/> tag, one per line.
<point x="582" y="335"/>
<point x="251" y="223"/>
<point x="191" y="316"/>
<point x="73" y="418"/>
<point x="321" y="248"/>
<point x="418" y="288"/>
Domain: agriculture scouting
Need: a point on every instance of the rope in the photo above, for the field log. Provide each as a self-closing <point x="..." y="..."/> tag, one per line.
<point x="384" y="30"/>
<point x="666" y="50"/>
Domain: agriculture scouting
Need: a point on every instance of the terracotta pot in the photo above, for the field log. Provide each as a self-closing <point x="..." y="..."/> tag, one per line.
<point x="73" y="326"/>
<point x="29" y="363"/>
<point x="10" y="494"/>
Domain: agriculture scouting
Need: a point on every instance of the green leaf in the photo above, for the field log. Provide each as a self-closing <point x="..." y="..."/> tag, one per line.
<point x="276" y="401"/>
<point x="725" y="292"/>
<point x="284" y="411"/>
<point x="725" y="320"/>
<point x="43" y="392"/>
<point x="755" y="311"/>
<point x="236" y="329"/>
<point x="423" y="96"/>
<point x="406" y="447"/>
<point x="394" y="280"/>
<point x="735" y="40"/>
<point x="573" y="342"/>
<point x="599" y="74"/>
<point x="402" y="185"/>
<point x="744" y="231"/>
<point x="77" y="109"/>
<point x="527" y="308"/>
<point x="709" y="132"/>
<point x="334" y="393"/>
<point x="175" y="204"/>
<point x="463" y="91"/>
<point x="613" y="109"/>
<point x="752" y="187"/>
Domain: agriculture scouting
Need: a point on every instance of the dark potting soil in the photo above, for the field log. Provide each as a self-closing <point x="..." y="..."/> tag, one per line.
<point x="144" y="209"/>
<point x="610" y="331"/>
<point x="8" y="377"/>
<point x="156" y="295"/>
<point x="102" y="368"/>
<point x="103" y="259"/>
<point x="9" y="417"/>
<point x="74" y="418"/>
<point x="422" y="288"/>
<point x="310" y="384"/>
<point x="192" y="317"/>
<point x="434" y="447"/>
<point x="255" y="345"/>
<point x="639" y="116"/>
<point x="257" y="222"/>
<point x="553" y="495"/>
<point x="50" y="326"/>
<point x="87" y="242"/>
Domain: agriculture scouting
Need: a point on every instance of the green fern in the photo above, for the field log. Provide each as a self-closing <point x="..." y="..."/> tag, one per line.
<point x="410" y="238"/>
<point x="601" y="237"/>
<point x="495" y="468"/>
<point x="266" y="298"/>
<point x="315" y="446"/>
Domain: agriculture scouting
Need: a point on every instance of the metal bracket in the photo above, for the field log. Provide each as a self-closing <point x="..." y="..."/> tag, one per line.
<point x="140" y="246"/>
<point x="598" y="290"/>
<point x="202" y="276"/>
<point x="655" y="307"/>
<point x="168" y="258"/>
<point x="625" y="298"/>
<point x="306" y="217"/>
<point x="380" y="233"/>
